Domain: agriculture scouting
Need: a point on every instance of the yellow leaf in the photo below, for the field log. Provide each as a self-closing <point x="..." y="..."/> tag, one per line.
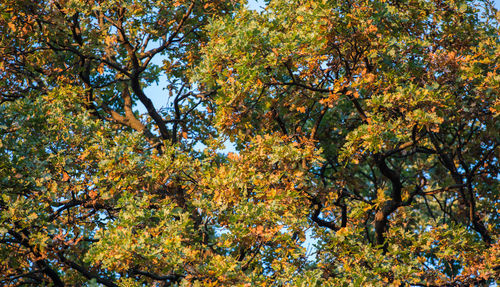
<point x="12" y="26"/>
<point x="100" y="68"/>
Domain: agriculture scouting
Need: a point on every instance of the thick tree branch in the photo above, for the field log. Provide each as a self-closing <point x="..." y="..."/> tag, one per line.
<point x="169" y="277"/>
<point x="85" y="272"/>
<point x="317" y="206"/>
<point x="160" y="123"/>
<point x="129" y="119"/>
<point x="41" y="263"/>
<point x="388" y="207"/>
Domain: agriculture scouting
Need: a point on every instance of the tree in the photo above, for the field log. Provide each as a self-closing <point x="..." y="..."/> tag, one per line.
<point x="367" y="127"/>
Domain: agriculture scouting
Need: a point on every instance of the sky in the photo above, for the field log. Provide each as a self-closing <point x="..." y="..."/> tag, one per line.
<point x="256" y="4"/>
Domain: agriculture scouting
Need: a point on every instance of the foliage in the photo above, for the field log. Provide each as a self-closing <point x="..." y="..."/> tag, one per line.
<point x="366" y="128"/>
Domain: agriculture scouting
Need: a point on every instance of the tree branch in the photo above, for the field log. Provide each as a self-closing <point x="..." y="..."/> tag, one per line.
<point x="87" y="274"/>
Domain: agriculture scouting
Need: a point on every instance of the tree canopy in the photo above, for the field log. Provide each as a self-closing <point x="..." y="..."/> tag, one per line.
<point x="364" y="143"/>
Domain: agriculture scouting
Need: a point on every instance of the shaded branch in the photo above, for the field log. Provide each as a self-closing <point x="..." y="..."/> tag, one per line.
<point x="168" y="277"/>
<point x="41" y="263"/>
<point x="317" y="205"/>
<point x="86" y="273"/>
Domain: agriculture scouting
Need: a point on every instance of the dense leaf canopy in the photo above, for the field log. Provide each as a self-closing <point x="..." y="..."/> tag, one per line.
<point x="364" y="143"/>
